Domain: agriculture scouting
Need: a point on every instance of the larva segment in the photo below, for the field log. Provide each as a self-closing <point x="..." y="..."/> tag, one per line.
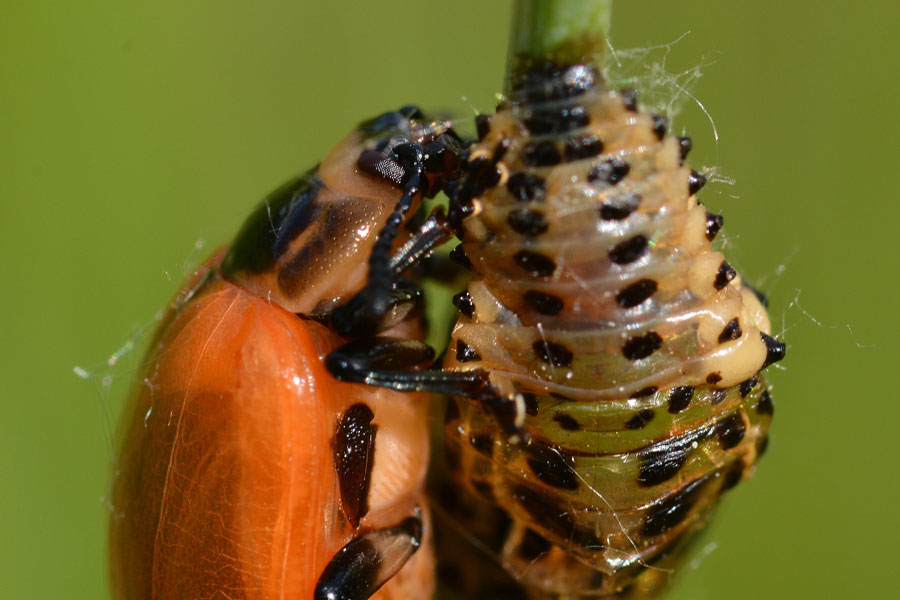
<point x="629" y="345"/>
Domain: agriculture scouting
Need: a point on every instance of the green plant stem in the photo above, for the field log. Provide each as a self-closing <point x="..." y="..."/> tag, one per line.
<point x="559" y="31"/>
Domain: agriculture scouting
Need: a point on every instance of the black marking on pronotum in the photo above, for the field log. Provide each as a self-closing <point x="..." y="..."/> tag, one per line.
<point x="551" y="466"/>
<point x="525" y="187"/>
<point x="552" y="353"/>
<point x="724" y="275"/>
<point x="535" y="263"/>
<point x="730" y="431"/>
<point x="482" y="126"/>
<point x="629" y="251"/>
<point x="660" y="126"/>
<point x="464" y="304"/>
<point x="765" y="406"/>
<point x="556" y="120"/>
<point x="483" y="442"/>
<point x="685" y="144"/>
<point x="640" y="420"/>
<point x="696" y="181"/>
<point x="566" y="422"/>
<point x="526" y="221"/>
<point x="714" y="223"/>
<point x="775" y="350"/>
<point x="546" y="513"/>
<point x="367" y="562"/>
<point x="458" y="255"/>
<point x="579" y="148"/>
<point x="672" y="510"/>
<point x="630" y="99"/>
<point x="636" y="293"/>
<point x="731" y="331"/>
<point x="465" y="353"/>
<point x="680" y="398"/>
<point x="353" y="447"/>
<point x="541" y="154"/>
<point x="546" y="304"/>
<point x="642" y="346"/>
<point x="618" y="208"/>
<point x="611" y="170"/>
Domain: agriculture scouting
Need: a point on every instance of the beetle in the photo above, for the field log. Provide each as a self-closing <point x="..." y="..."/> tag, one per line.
<point x="244" y="469"/>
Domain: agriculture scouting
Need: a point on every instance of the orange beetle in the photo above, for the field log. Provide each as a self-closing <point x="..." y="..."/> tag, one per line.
<point x="245" y="470"/>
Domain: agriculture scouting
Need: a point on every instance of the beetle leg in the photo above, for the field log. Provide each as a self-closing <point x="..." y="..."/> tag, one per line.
<point x="433" y="232"/>
<point x="389" y="362"/>
<point x="368" y="561"/>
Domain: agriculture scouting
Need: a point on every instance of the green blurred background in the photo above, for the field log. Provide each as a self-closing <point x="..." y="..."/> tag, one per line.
<point x="129" y="134"/>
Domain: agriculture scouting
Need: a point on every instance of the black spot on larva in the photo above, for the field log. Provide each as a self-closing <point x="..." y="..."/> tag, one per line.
<point x="765" y="406"/>
<point x="718" y="396"/>
<point x="548" y="81"/>
<point x="630" y="99"/>
<point x="483" y="442"/>
<point x="500" y="150"/>
<point x="680" y="398"/>
<point x="552" y="353"/>
<point x="567" y="422"/>
<point x="556" y="120"/>
<point x="671" y="511"/>
<point x="745" y="387"/>
<point x="643" y="393"/>
<point x="640" y="420"/>
<point x="536" y="264"/>
<point x="611" y="170"/>
<point x="551" y="467"/>
<point x="458" y="255"/>
<point x="696" y="181"/>
<point x="546" y="304"/>
<point x="482" y="126"/>
<point x="685" y="144"/>
<point x="353" y="449"/>
<point x="636" y="293"/>
<point x="465" y="353"/>
<point x="578" y="148"/>
<point x="525" y="187"/>
<point x="527" y="222"/>
<point x="541" y="154"/>
<point x="464" y="304"/>
<point x="531" y="403"/>
<point x="730" y="431"/>
<point x="451" y="414"/>
<point x="642" y="346"/>
<point x="724" y="275"/>
<point x="663" y="461"/>
<point x="714" y="223"/>
<point x="714" y="378"/>
<point x="775" y="350"/>
<point x="532" y="546"/>
<point x="733" y="476"/>
<point x="660" y="126"/>
<point x="731" y="331"/>
<point x="629" y="251"/>
<point x="618" y="208"/>
<point x="545" y="512"/>
<point x="482" y="175"/>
